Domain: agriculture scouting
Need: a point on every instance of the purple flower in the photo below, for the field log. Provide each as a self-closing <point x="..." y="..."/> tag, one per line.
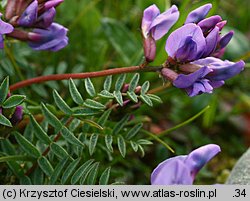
<point x="183" y="169"/>
<point x="4" y="29"/>
<point x="206" y="74"/>
<point x="53" y="38"/>
<point x="186" y="43"/>
<point x="154" y="26"/>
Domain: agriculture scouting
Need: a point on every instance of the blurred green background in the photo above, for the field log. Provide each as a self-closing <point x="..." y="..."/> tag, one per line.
<point x="105" y="34"/>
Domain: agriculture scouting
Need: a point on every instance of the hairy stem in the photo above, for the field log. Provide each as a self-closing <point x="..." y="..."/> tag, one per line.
<point x="102" y="73"/>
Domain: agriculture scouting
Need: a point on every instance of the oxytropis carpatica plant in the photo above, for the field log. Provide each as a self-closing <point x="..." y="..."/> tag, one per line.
<point x="71" y="139"/>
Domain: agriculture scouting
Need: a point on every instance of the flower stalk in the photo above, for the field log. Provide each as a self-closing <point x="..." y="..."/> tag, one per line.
<point x="102" y="73"/>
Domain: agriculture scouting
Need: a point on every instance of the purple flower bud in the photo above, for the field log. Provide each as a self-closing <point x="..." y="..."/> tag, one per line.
<point x="209" y="23"/>
<point x="29" y="16"/>
<point x="17" y="116"/>
<point x="221" y="24"/>
<point x="156" y="24"/>
<point x="53" y="38"/>
<point x="186" y="43"/>
<point x="4" y="29"/>
<point x="149" y="47"/>
<point x="46" y="19"/>
<point x="169" y="74"/>
<point x="198" y="14"/>
<point x="183" y="169"/>
<point x="52" y="3"/>
<point x="226" y="39"/>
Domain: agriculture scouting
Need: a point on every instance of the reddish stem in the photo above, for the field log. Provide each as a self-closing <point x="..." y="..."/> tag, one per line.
<point x="102" y="73"/>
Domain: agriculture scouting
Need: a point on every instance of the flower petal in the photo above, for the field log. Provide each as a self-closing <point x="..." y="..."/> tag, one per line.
<point x="171" y="171"/>
<point x="5" y="27"/>
<point x="185" y="81"/>
<point x="29" y="16"/>
<point x="199" y="157"/>
<point x="209" y="23"/>
<point x="226" y="39"/>
<point x="211" y="42"/>
<point x="176" y="38"/>
<point x="198" y="14"/>
<point x="163" y="22"/>
<point x="149" y="15"/>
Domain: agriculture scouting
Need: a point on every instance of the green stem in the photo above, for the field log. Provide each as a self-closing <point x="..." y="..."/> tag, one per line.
<point x="154" y="136"/>
<point x="15" y="158"/>
<point x="184" y="123"/>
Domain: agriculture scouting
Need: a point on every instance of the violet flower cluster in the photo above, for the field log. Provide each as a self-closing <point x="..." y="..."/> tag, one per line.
<point x="193" y="49"/>
<point x="183" y="169"/>
<point x="33" y="21"/>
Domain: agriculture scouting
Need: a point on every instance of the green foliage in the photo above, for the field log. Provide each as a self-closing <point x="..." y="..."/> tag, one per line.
<point x="68" y="152"/>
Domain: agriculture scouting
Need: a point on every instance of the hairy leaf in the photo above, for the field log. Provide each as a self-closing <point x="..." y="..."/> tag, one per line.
<point x="69" y="170"/>
<point x="105" y="176"/>
<point x="4" y="121"/>
<point x="58" y="170"/>
<point x="13" y="101"/>
<point x="28" y="147"/>
<point x="133" y="131"/>
<point x="75" y="94"/>
<point x="39" y="132"/>
<point x="94" y="104"/>
<point x="134" y="82"/>
<point x="4" y="88"/>
<point x="81" y="171"/>
<point x="89" y="87"/>
<point x="93" y="173"/>
<point x="92" y="143"/>
<point x="121" y="145"/>
<point x="107" y="83"/>
<point x="119" y="82"/>
<point x="69" y="136"/>
<point x="61" y="104"/>
<point x="132" y="96"/>
<point x="119" y="126"/>
<point x="118" y="97"/>
<point x="145" y="87"/>
<point x="45" y="165"/>
<point x="108" y="142"/>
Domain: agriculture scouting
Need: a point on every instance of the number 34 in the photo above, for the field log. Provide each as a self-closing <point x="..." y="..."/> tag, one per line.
<point x="240" y="193"/>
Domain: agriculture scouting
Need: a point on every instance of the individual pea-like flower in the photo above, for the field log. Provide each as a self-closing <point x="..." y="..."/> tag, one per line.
<point x="154" y="26"/>
<point x="5" y="28"/>
<point x="17" y="116"/>
<point x="204" y="75"/>
<point x="53" y="38"/>
<point x="183" y="169"/>
<point x="38" y="17"/>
